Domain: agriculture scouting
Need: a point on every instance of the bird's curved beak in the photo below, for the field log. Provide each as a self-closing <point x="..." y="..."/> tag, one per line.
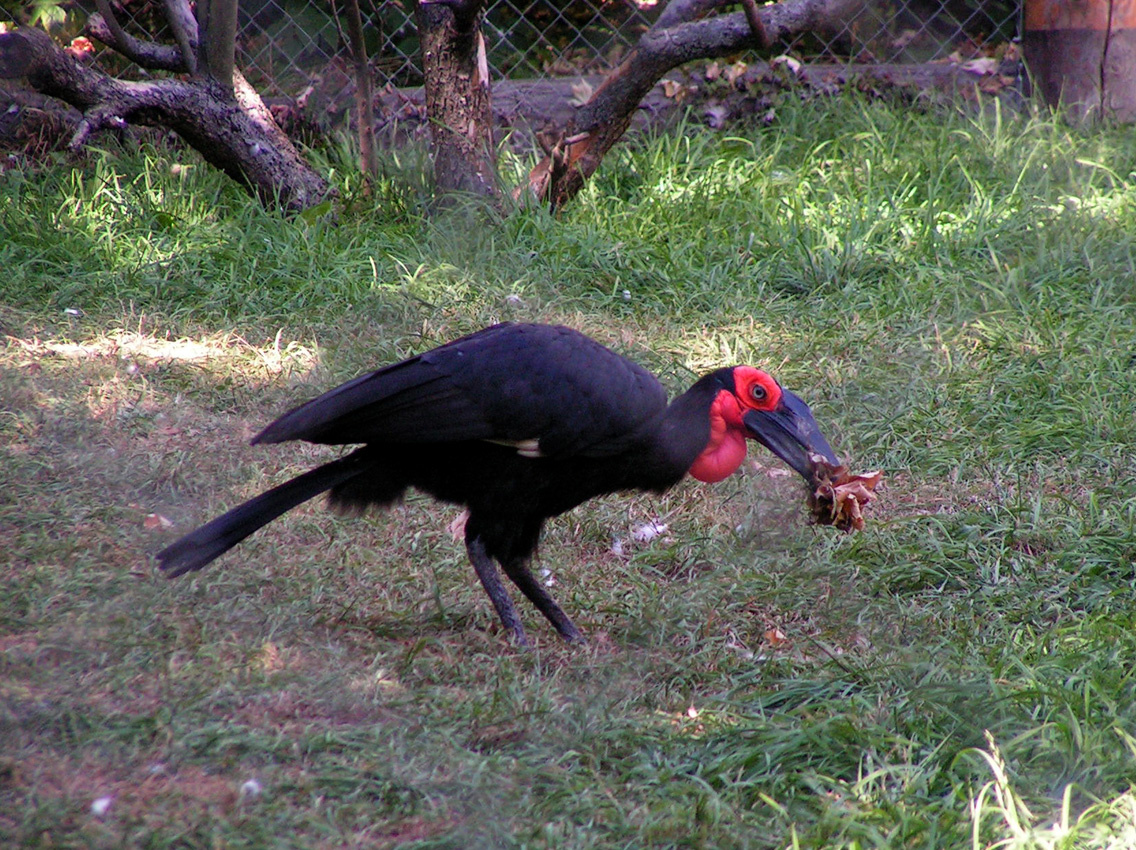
<point x="791" y="433"/>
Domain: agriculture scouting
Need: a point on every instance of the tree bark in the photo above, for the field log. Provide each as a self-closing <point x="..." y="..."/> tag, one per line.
<point x="457" y="96"/>
<point x="1082" y="56"/>
<point x="215" y="111"/>
<point x="217" y="44"/>
<point x="681" y="34"/>
<point x="364" y="101"/>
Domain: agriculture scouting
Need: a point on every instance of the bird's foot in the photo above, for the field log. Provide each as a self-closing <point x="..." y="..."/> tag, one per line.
<point x="570" y="633"/>
<point x="518" y="636"/>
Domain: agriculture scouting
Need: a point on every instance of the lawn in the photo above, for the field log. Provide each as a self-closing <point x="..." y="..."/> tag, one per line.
<point x="952" y="290"/>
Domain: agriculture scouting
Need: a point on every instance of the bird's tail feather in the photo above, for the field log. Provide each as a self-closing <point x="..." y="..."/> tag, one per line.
<point x="202" y="545"/>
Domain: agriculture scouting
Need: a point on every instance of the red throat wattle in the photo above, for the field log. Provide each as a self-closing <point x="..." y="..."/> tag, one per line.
<point x="727" y="446"/>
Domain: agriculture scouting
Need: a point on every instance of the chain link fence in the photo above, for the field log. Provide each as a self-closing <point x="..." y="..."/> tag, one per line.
<point x="284" y="44"/>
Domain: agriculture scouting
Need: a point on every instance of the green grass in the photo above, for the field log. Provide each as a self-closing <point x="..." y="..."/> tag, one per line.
<point x="952" y="292"/>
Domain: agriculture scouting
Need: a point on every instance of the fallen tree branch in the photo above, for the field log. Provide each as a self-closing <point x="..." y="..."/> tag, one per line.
<point x="678" y="11"/>
<point x="230" y="127"/>
<point x="680" y="35"/>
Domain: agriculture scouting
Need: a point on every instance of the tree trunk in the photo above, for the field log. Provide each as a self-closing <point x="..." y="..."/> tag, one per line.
<point x="1082" y="56"/>
<point x="364" y="100"/>
<point x="457" y="96"/>
<point x="214" y="110"/>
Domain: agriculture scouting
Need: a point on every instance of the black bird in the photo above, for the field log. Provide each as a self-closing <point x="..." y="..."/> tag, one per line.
<point x="519" y="423"/>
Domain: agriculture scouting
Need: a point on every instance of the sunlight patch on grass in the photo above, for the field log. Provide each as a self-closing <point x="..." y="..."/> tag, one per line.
<point x="1001" y="818"/>
<point x="145" y="349"/>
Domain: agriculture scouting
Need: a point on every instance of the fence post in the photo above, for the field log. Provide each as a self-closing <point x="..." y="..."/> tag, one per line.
<point x="1082" y="55"/>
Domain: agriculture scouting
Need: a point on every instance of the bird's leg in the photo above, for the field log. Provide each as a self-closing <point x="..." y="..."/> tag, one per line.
<point x="491" y="581"/>
<point x="517" y="569"/>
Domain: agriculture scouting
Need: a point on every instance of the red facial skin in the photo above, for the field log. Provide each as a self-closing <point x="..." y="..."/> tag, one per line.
<point x="724" y="453"/>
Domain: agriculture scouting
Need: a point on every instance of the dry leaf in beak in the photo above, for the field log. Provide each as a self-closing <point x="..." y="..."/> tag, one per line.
<point x="840" y="496"/>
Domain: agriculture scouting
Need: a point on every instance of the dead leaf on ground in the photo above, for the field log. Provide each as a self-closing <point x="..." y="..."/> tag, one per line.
<point x="676" y="91"/>
<point x="776" y="637"/>
<point x="982" y="66"/>
<point x="734" y="71"/>
<point x="793" y="66"/>
<point x="581" y="93"/>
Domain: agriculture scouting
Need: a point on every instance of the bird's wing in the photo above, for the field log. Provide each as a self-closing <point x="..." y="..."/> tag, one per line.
<point x="415" y="400"/>
<point x="566" y="391"/>
<point x="549" y="390"/>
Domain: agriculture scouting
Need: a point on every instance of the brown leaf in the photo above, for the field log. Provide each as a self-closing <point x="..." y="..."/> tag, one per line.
<point x="840" y="496"/>
<point x="793" y="66"/>
<point x="776" y="637"/>
<point x="581" y="93"/>
<point x="734" y="71"/>
<point x="675" y="90"/>
<point x="981" y="66"/>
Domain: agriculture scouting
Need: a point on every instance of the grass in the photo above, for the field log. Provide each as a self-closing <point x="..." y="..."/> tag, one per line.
<point x="950" y="290"/>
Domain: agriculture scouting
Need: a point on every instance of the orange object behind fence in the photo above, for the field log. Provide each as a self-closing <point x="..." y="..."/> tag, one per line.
<point x="1082" y="55"/>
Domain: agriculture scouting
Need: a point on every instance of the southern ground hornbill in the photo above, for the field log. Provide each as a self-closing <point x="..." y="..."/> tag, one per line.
<point x="519" y="423"/>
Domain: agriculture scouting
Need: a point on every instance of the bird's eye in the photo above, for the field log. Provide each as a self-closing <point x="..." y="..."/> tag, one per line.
<point x="757" y="392"/>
